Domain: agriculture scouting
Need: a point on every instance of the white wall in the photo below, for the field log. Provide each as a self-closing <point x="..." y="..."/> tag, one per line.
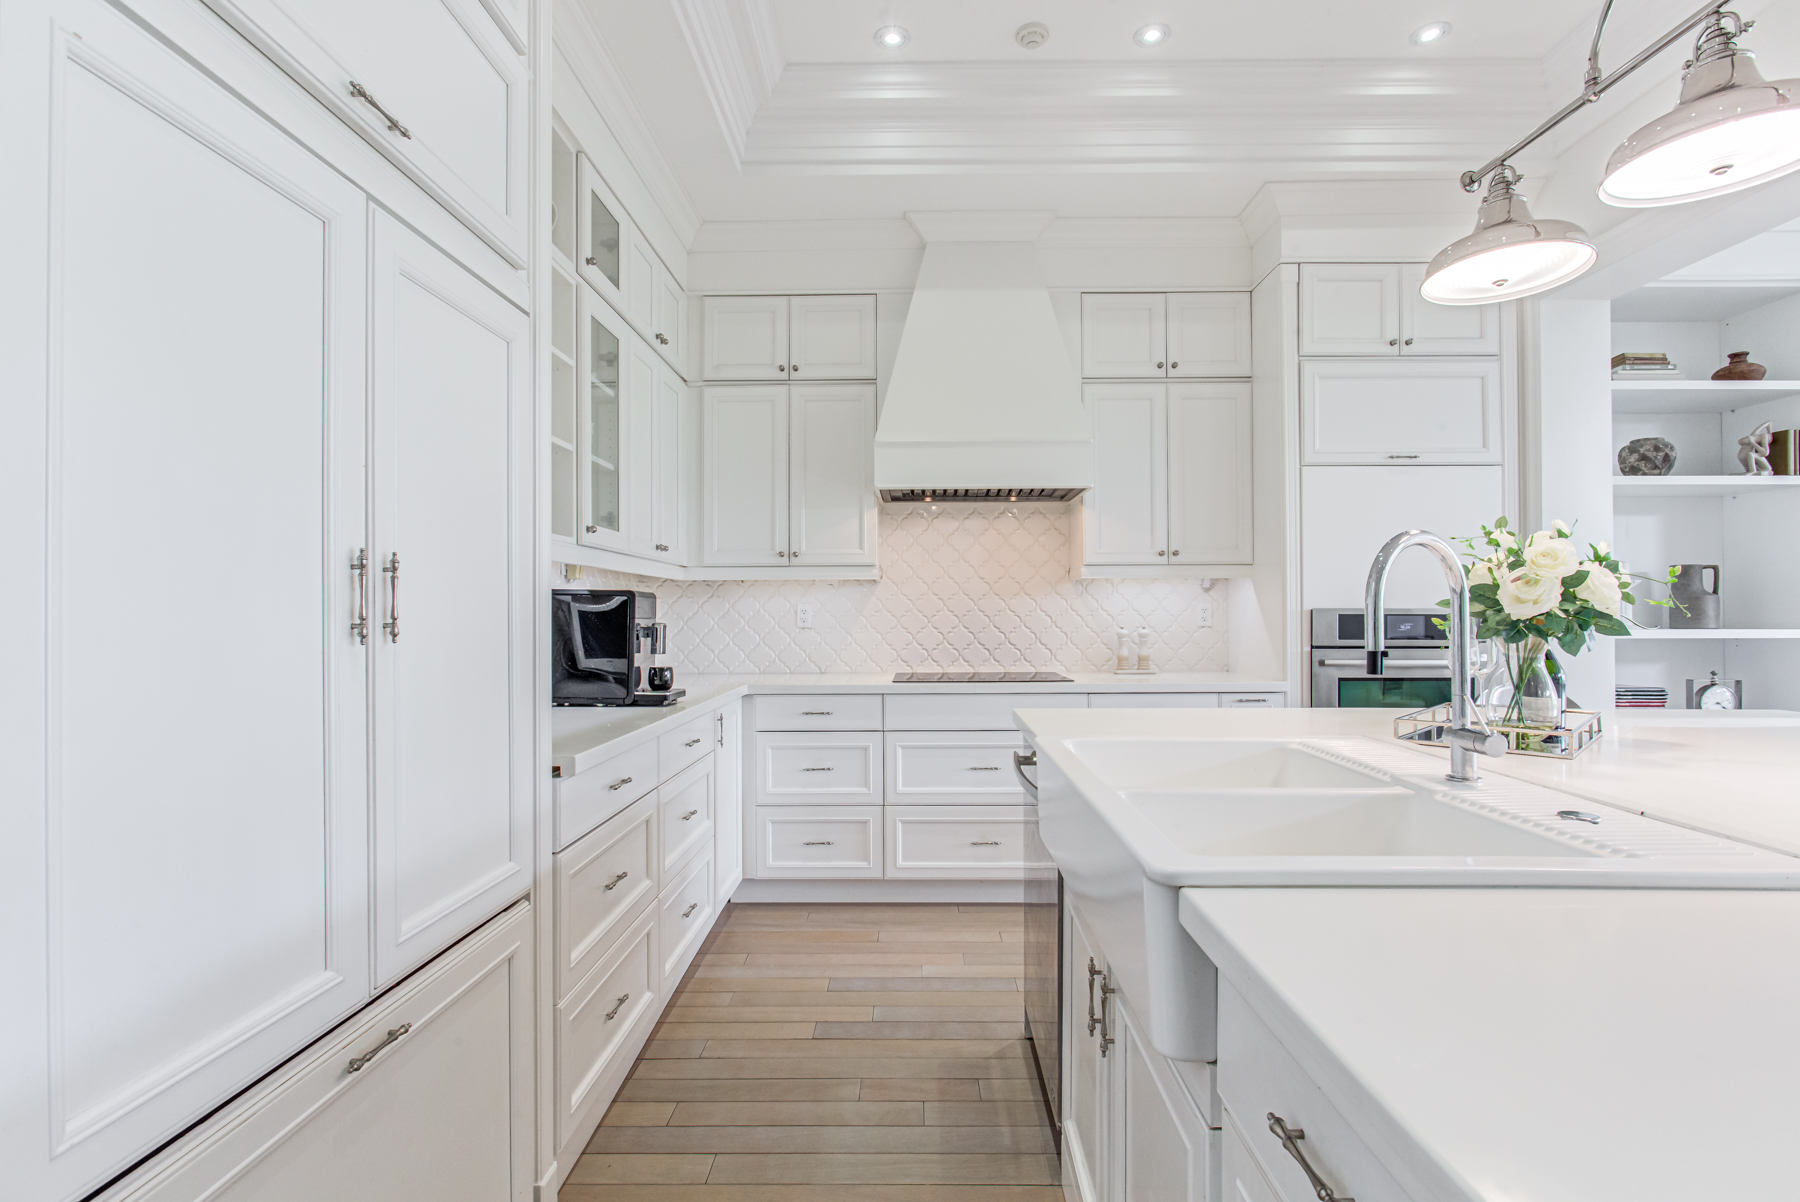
<point x="1771" y="334"/>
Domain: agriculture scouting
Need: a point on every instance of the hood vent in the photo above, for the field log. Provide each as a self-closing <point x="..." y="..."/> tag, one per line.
<point x="982" y="403"/>
<point x="916" y="496"/>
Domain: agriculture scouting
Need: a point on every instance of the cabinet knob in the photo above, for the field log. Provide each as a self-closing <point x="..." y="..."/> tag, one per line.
<point x="593" y="529"/>
<point x="1162" y="552"/>
<point x="1393" y="342"/>
<point x="1409" y="342"/>
<point x="1173" y="365"/>
<point x="1159" y="366"/>
<point x="781" y="367"/>
<point x="1173" y="554"/>
<point x="783" y="554"/>
<point x="662" y="546"/>
<point x="793" y="367"/>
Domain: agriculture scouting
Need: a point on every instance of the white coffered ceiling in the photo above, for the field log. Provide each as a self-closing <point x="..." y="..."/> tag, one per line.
<point x="768" y="110"/>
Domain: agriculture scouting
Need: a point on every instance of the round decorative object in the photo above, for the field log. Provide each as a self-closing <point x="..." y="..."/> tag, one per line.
<point x="1647" y="457"/>
<point x="1715" y="694"/>
<point x="1740" y="368"/>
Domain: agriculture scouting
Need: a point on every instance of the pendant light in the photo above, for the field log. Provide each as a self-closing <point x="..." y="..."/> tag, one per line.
<point x="1510" y="254"/>
<point x="1732" y="130"/>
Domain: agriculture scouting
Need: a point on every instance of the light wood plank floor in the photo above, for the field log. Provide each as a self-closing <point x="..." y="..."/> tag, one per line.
<point x="849" y="1053"/>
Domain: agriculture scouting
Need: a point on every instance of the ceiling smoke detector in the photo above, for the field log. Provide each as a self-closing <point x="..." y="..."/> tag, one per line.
<point x="1032" y="34"/>
<point x="891" y="37"/>
<point x="1151" y="35"/>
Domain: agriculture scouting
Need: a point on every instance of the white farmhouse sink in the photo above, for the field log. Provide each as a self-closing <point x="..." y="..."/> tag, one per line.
<point x="1130" y="821"/>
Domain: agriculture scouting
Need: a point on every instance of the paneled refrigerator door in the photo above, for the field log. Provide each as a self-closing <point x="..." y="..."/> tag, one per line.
<point x="183" y="836"/>
<point x="452" y="553"/>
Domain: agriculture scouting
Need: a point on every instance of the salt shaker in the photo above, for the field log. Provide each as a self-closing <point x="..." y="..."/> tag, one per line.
<point x="1123" y="661"/>
<point x="1143" y="649"/>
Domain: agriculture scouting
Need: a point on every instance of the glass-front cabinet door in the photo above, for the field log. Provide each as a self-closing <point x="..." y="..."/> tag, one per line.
<point x="603" y="432"/>
<point x="606" y="234"/>
<point x="564" y="388"/>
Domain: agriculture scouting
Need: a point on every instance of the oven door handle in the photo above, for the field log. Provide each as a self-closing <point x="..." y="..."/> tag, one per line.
<point x="1389" y="666"/>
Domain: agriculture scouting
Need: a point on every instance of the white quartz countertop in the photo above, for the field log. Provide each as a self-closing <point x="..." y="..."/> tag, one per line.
<point x="1535" y="1045"/>
<point x="1730" y="772"/>
<point x="582" y="736"/>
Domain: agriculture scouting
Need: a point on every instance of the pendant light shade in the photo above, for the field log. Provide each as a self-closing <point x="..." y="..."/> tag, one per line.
<point x="1732" y="129"/>
<point x="1510" y="254"/>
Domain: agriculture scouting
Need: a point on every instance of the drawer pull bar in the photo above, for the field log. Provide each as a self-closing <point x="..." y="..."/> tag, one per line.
<point x="818" y="769"/>
<point x="692" y="743"/>
<point x="817" y="843"/>
<point x="1290" y="1138"/>
<point x="614" y="1012"/>
<point x="690" y="910"/>
<point x="620" y="783"/>
<point x="362" y="93"/>
<point x="394" y="1035"/>
<point x="689" y="814"/>
<point x="984" y="843"/>
<point x="984" y="768"/>
<point x="816" y="713"/>
<point x="613" y="884"/>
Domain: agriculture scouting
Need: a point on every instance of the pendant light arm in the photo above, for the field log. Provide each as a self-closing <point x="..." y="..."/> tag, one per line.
<point x="1595" y="85"/>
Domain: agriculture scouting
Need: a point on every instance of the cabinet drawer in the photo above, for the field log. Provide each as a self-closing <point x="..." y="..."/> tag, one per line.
<point x="1242" y="1177"/>
<point x="684" y="916"/>
<point x="960" y="842"/>
<point x="1258" y="1077"/>
<point x="603" y="882"/>
<point x="1153" y="701"/>
<point x="593" y="1025"/>
<point x="822" y="769"/>
<point x="589" y="798"/>
<point x="1248" y="701"/>
<point x="686" y="744"/>
<point x="686" y="808"/>
<point x="818" y="841"/>
<point x="970" y="711"/>
<point x="1421" y="411"/>
<point x="953" y="767"/>
<point x="840" y="711"/>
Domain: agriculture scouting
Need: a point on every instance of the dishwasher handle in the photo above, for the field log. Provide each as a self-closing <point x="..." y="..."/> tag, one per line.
<point x="1021" y="761"/>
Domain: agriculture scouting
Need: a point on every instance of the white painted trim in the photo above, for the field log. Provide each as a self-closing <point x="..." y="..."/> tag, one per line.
<point x="834" y="892"/>
<point x="736" y="45"/>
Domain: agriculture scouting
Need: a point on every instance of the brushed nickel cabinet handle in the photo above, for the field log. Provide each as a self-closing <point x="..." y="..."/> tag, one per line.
<point x="690" y="910"/>
<point x="614" y="1012"/>
<point x="392" y="625"/>
<point x="795" y="367"/>
<point x="360" y="565"/>
<point x="394" y="1035"/>
<point x="662" y="546"/>
<point x="689" y="814"/>
<point x="692" y="743"/>
<point x="817" y="843"/>
<point x="1159" y="366"/>
<point x="1402" y="456"/>
<point x="1162" y="552"/>
<point x="1093" y="1020"/>
<point x="781" y="367"/>
<point x="620" y="783"/>
<point x="1173" y="365"/>
<point x="984" y="843"/>
<point x="614" y="883"/>
<point x="1393" y="342"/>
<point x="984" y="768"/>
<point x="818" y="770"/>
<point x="593" y="529"/>
<point x="1290" y="1138"/>
<point x="816" y="713"/>
<point x="362" y="93"/>
<point x="1409" y="342"/>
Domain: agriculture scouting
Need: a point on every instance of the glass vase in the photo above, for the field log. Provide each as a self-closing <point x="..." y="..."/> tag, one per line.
<point x="1532" y="700"/>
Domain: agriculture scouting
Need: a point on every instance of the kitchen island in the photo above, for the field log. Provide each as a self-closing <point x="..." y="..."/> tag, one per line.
<point x="1462" y="1043"/>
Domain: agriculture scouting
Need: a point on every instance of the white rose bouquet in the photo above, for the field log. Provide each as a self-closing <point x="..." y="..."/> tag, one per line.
<point x="1544" y="587"/>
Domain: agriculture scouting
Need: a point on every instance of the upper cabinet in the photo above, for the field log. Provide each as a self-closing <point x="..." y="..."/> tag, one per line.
<point x="1376" y="309"/>
<point x="625" y="269"/>
<point x="1153" y="335"/>
<point x="438" y="86"/>
<point x="797" y="338"/>
<point x="1430" y="411"/>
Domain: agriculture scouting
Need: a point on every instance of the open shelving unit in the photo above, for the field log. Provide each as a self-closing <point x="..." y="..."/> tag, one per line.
<point x="1721" y="633"/>
<point x="1698" y="486"/>
<point x="1697" y="396"/>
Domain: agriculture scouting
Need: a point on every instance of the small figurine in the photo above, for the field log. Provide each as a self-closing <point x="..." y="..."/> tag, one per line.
<point x="1753" y="451"/>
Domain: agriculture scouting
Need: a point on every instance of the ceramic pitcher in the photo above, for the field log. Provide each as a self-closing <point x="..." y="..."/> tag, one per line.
<point x="1691" y="594"/>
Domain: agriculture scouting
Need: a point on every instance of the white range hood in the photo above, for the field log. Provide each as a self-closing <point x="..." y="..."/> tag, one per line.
<point x="982" y="403"/>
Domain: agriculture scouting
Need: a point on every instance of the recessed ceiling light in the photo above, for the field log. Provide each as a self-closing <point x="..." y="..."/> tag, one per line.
<point x="1151" y="35"/>
<point x="1032" y="35"/>
<point x="1424" y="35"/>
<point x="891" y="37"/>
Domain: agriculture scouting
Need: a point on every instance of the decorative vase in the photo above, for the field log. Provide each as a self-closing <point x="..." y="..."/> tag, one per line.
<point x="1525" y="695"/>
<point x="1740" y="368"/>
<point x="1647" y="457"/>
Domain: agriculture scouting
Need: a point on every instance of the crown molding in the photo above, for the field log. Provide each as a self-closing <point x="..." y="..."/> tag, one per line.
<point x="584" y="50"/>
<point x="976" y="225"/>
<point x="736" y="45"/>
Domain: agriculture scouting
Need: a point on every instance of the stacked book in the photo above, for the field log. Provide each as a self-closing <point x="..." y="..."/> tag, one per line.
<point x="1645" y="365"/>
<point x="1639" y="697"/>
<point x="1784" y="452"/>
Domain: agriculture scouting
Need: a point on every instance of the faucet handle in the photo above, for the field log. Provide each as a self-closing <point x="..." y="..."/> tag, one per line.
<point x="1372" y="661"/>
<point x="1481" y="742"/>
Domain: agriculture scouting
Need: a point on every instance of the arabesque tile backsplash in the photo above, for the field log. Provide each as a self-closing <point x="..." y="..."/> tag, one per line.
<point x="984" y="586"/>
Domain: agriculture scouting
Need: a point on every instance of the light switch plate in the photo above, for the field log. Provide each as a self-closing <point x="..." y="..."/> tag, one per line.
<point x="1203" y="612"/>
<point x="803" y="614"/>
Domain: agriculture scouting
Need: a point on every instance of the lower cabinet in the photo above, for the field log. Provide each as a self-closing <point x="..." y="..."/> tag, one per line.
<point x="603" y="883"/>
<point x="599" y="1028"/>
<point x="684" y="916"/>
<point x="428" y="1094"/>
<point x="960" y="842"/>
<point x="818" y="841"/>
<point x="1240" y="1176"/>
<point x="685" y="806"/>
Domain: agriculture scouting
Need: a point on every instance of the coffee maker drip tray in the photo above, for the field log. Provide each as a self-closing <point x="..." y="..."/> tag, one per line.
<point x="645" y="697"/>
<point x="980" y="678"/>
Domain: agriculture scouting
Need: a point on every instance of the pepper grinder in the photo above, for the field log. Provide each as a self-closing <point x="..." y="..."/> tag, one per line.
<point x="1143" y="649"/>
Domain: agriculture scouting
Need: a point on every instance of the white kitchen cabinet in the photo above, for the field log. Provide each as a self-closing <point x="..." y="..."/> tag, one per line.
<point x="1162" y="1141"/>
<point x="952" y="767"/>
<point x="1172" y="482"/>
<point x="653" y="398"/>
<point x="684" y="915"/>
<point x="1347" y="513"/>
<point x="435" y="85"/>
<point x="991" y="712"/>
<point x="818" y="768"/>
<point x="1088" y="1104"/>
<point x="1126" y="701"/>
<point x="961" y="842"/>
<point x="819" y="711"/>
<point x="602" y="885"/>
<point x="565" y="376"/>
<point x="605" y="430"/>
<point x="1209" y="334"/>
<point x="1376" y="309"/>
<point x="831" y="474"/>
<point x="788" y="475"/>
<point x="601" y="1025"/>
<point x="605" y="236"/>
<point x="1241" y="1177"/>
<point x="426" y="1094"/>
<point x="654" y="302"/>
<point x="744" y="477"/>
<point x="817" y="842"/>
<point x="187" y="889"/>
<point x="685" y="816"/>
<point x="450" y="571"/>
<point x="1153" y="335"/>
<point x="668" y="326"/>
<point x="780" y="338"/>
<point x="728" y="805"/>
<point x="1428" y="411"/>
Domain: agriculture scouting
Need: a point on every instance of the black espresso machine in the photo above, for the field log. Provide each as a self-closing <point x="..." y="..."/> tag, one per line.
<point x="606" y="644"/>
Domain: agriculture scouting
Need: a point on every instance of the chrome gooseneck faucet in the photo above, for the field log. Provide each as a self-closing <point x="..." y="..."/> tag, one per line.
<point x="1466" y="740"/>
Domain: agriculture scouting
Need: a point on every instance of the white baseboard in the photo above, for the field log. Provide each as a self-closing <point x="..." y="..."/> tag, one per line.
<point x="832" y="892"/>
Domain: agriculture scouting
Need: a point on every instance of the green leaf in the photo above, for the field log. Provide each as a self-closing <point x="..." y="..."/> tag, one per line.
<point x="1500" y="523"/>
<point x="1626" y="597"/>
<point x="1573" y="640"/>
<point x="1574" y="580"/>
<point x="1607" y="624"/>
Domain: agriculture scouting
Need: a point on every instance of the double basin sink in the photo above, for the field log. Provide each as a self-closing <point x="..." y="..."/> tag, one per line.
<point x="1130" y="821"/>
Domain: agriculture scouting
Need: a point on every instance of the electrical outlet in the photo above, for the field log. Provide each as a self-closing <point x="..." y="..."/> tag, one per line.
<point x="803" y="613"/>
<point x="1203" y="613"/>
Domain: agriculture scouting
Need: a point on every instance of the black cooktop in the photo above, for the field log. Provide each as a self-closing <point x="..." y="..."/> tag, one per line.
<point x="979" y="678"/>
